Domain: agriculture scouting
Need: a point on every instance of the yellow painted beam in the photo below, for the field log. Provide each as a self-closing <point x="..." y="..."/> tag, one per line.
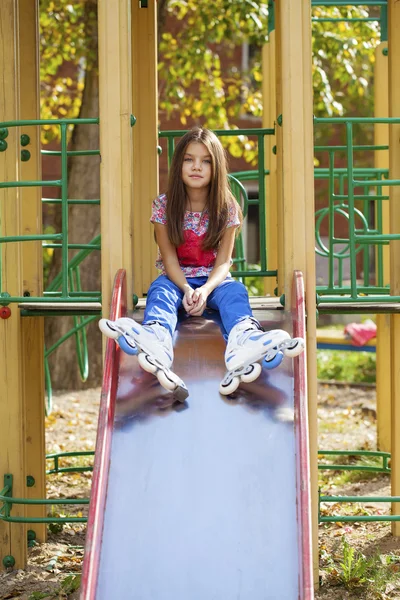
<point x="145" y="141"/>
<point x="295" y="151"/>
<point x="115" y="108"/>
<point x="394" y="203"/>
<point x="279" y="152"/>
<point x="32" y="328"/>
<point x="12" y="417"/>
<point x="381" y="160"/>
<point x="269" y="116"/>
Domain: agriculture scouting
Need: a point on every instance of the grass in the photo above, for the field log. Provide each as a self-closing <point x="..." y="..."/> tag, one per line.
<point x="371" y="577"/>
<point x="68" y="585"/>
<point x="352" y="367"/>
<point x="339" y="478"/>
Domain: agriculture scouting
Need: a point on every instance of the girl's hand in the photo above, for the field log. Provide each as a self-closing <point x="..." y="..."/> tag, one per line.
<point x="199" y="301"/>
<point x="187" y="300"/>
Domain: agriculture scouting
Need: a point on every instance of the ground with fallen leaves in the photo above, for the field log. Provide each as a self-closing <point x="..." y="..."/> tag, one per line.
<point x="347" y="420"/>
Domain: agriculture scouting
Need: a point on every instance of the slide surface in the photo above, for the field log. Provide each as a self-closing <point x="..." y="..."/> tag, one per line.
<point x="199" y="501"/>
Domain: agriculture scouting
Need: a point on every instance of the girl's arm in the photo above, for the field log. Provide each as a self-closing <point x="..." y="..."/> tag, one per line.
<point x="223" y="260"/>
<point x="171" y="264"/>
<point x="217" y="275"/>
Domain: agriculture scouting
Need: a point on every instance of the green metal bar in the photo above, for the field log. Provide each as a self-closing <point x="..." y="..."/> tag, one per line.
<point x="384" y="23"/>
<point x="359" y="299"/>
<point x="223" y="132"/>
<point x="335" y="3"/>
<point x="59" y="313"/>
<point x="379" y="250"/>
<point x="73" y="296"/>
<point x="80" y="331"/>
<point x="331" y="217"/>
<point x="71" y="152"/>
<point x="261" y="206"/>
<point x="375" y="182"/>
<point x="40" y="122"/>
<point x="59" y="201"/>
<point x="73" y="246"/>
<point x="352" y="247"/>
<point x="326" y="467"/>
<point x="361" y="120"/>
<point x="361" y="197"/>
<point x="367" y="453"/>
<point x="376" y="238"/>
<point x="55" y="297"/>
<point x="21" y="184"/>
<point x="271" y="16"/>
<point x="361" y="289"/>
<point x="64" y="209"/>
<point x="69" y="334"/>
<point x="254" y="273"/>
<point x="30" y="238"/>
<point x="76" y="260"/>
<point x="344" y="20"/>
<point x="361" y="499"/>
<point x="368" y="147"/>
<point x="360" y="518"/>
<point x="42" y="501"/>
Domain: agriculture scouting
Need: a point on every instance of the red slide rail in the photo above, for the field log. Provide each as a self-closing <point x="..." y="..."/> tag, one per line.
<point x="98" y="495"/>
<point x="306" y="585"/>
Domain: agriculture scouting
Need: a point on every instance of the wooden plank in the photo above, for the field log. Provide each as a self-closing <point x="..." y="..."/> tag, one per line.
<point x="115" y="104"/>
<point x="12" y="417"/>
<point x="271" y="197"/>
<point x="32" y="330"/>
<point x="145" y="141"/>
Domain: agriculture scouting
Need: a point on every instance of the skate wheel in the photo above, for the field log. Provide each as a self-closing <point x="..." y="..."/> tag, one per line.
<point x="166" y="381"/>
<point x="126" y="346"/>
<point x="252" y="372"/>
<point x="107" y="328"/>
<point x="295" y="350"/>
<point x="146" y="363"/>
<point x="274" y="362"/>
<point x="229" y="385"/>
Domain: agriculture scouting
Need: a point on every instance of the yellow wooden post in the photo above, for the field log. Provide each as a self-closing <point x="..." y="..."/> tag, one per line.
<point x="12" y="457"/>
<point x="383" y="377"/>
<point x="394" y="170"/>
<point x="115" y="108"/>
<point x="32" y="328"/>
<point x="279" y="153"/>
<point x="269" y="117"/>
<point x="293" y="26"/>
<point x="145" y="140"/>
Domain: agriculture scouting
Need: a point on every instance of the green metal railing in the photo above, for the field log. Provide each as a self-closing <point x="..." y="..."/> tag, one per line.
<point x="64" y="291"/>
<point x="258" y="175"/>
<point x="354" y="195"/>
<point x="371" y="468"/>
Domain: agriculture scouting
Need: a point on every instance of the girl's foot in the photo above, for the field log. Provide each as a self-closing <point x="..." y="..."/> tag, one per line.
<point x="153" y="344"/>
<point x="248" y="345"/>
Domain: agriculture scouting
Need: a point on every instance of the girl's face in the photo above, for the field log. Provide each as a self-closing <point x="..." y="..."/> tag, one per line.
<point x="196" y="166"/>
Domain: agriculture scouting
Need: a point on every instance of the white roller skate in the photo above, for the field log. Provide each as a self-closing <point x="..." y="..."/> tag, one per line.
<point x="248" y="346"/>
<point x="153" y="345"/>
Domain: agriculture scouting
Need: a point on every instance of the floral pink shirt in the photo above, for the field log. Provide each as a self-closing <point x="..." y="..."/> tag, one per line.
<point x="193" y="260"/>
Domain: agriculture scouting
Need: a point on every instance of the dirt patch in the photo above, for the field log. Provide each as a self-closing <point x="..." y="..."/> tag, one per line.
<point x="347" y="420"/>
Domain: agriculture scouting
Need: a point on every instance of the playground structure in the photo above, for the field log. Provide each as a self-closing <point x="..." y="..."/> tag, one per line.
<point x="127" y="66"/>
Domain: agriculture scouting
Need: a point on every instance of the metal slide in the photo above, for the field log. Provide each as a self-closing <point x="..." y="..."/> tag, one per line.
<point x="207" y="500"/>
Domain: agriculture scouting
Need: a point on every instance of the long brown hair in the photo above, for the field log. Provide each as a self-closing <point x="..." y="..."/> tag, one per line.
<point x="220" y="197"/>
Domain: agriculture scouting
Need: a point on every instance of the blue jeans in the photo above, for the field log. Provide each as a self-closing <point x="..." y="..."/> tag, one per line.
<point x="164" y="299"/>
